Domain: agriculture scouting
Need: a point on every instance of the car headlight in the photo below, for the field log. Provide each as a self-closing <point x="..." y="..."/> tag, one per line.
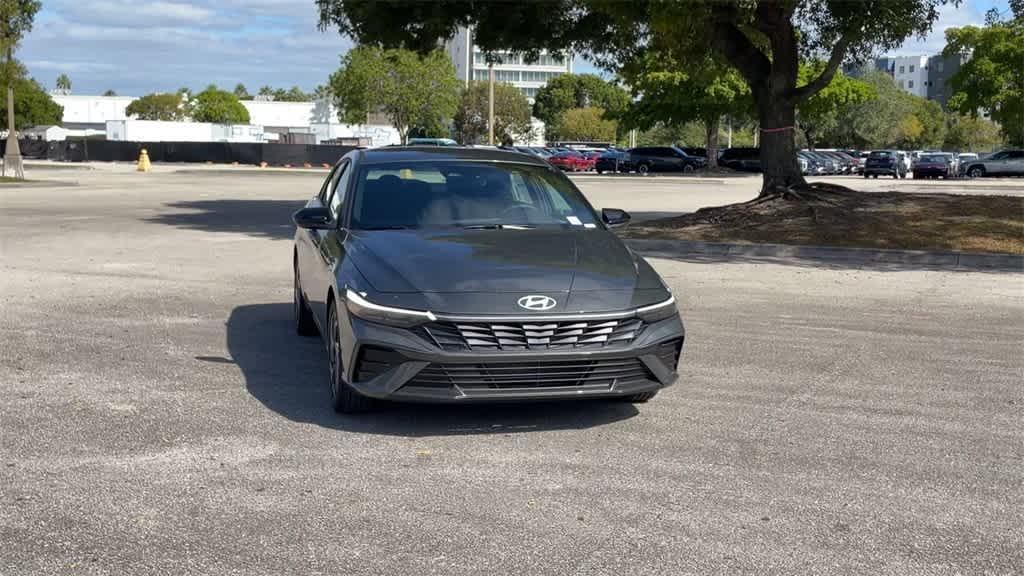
<point x="363" y="308"/>
<point x="659" y="311"/>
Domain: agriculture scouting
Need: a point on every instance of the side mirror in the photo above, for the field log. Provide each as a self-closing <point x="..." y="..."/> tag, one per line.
<point x="315" y="218"/>
<point x="614" y="217"/>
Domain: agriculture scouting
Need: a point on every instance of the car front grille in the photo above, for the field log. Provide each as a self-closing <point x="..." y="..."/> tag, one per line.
<point x="543" y="374"/>
<point x="532" y="335"/>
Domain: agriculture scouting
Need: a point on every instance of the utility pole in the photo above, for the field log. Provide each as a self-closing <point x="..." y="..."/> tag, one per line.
<point x="490" y="105"/>
<point x="12" y="154"/>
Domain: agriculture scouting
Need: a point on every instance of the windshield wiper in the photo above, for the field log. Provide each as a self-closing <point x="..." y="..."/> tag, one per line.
<point x="497" y="227"/>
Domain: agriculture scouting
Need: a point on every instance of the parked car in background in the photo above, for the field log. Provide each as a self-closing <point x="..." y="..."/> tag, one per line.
<point x="812" y="165"/>
<point x="932" y="166"/>
<point x="885" y="163"/>
<point x="571" y="161"/>
<point x="695" y="152"/>
<point x="830" y="165"/>
<point x="858" y="159"/>
<point x="663" y="159"/>
<point x="1005" y="163"/>
<point x="742" y="159"/>
<point x="613" y="160"/>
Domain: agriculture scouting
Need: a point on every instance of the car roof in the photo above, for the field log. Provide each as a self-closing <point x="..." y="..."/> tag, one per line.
<point x="445" y="154"/>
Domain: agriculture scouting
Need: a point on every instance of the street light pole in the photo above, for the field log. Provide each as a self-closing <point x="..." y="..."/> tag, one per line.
<point x="12" y="154"/>
<point x="490" y="106"/>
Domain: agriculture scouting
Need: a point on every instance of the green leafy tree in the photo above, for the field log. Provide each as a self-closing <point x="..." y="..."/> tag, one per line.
<point x="218" y="107"/>
<point x="64" y="83"/>
<point x="586" y="124"/>
<point x="167" y="107"/>
<point x="511" y="114"/>
<point x="820" y="113"/>
<point x="884" y="121"/>
<point x="109" y="93"/>
<point x="764" y="40"/>
<point x="993" y="78"/>
<point x="971" y="134"/>
<point x="241" y="92"/>
<point x="32" y="105"/>
<point x="568" y="91"/>
<point x="664" y="94"/>
<point x="409" y="88"/>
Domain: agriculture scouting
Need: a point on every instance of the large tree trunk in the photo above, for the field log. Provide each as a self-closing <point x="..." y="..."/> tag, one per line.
<point x="711" y="141"/>
<point x="778" y="145"/>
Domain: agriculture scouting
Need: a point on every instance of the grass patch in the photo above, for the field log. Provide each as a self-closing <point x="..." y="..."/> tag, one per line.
<point x="9" y="180"/>
<point x="838" y="216"/>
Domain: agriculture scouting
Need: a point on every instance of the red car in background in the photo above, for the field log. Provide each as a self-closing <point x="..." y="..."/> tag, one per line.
<point x="572" y="161"/>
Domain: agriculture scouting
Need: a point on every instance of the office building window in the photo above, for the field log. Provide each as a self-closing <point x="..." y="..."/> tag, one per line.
<point x="902" y="69"/>
<point x="910" y="84"/>
<point x="911" y="67"/>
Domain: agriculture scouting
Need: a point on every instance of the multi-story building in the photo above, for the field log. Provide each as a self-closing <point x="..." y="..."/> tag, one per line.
<point x="471" y="64"/>
<point x="941" y="70"/>
<point x="911" y="74"/>
<point x="924" y="76"/>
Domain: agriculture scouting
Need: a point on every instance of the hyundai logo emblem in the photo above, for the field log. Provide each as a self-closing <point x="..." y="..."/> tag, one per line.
<point x="536" y="302"/>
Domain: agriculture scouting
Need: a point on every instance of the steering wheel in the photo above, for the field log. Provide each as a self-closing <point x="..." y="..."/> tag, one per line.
<point x="523" y="206"/>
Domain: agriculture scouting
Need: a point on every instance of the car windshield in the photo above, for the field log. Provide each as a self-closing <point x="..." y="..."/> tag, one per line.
<point x="881" y="154"/>
<point x="932" y="159"/>
<point x="462" y="194"/>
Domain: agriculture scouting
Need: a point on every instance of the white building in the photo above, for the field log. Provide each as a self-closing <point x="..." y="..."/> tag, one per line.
<point x="911" y="74"/>
<point x="158" y="131"/>
<point x="268" y="120"/>
<point x="471" y="64"/>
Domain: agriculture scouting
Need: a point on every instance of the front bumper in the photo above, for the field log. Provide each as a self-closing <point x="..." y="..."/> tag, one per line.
<point x="400" y="364"/>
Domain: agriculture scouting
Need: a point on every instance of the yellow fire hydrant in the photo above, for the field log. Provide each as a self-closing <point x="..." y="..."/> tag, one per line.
<point x="144" y="164"/>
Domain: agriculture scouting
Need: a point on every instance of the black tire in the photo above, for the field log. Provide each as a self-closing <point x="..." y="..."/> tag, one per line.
<point x="344" y="399"/>
<point x="639" y="398"/>
<point x="304" y="323"/>
<point x="687" y="169"/>
<point x="866" y="176"/>
<point x="976" y="172"/>
<point x="642" y="169"/>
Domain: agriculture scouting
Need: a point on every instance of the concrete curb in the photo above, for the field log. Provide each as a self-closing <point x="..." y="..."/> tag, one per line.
<point x="922" y="258"/>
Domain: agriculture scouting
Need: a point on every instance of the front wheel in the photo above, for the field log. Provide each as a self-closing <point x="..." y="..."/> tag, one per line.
<point x="687" y="169"/>
<point x="976" y="172"/>
<point x="643" y="169"/>
<point x="343" y="398"/>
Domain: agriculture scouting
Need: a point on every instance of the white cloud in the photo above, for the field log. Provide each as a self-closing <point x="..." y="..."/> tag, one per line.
<point x="950" y="16"/>
<point x="136" y="48"/>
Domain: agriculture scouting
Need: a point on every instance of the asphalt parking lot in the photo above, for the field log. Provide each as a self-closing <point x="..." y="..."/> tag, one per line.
<point x="158" y="414"/>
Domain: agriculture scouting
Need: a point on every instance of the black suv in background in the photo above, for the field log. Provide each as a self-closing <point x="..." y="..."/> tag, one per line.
<point x="885" y="163"/>
<point x="663" y="159"/>
<point x="742" y="159"/>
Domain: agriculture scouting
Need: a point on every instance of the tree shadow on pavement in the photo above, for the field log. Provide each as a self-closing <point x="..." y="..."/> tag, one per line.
<point x="288" y="374"/>
<point x="264" y="218"/>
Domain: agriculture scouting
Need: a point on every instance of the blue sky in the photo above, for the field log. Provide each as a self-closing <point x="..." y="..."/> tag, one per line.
<point x="137" y="47"/>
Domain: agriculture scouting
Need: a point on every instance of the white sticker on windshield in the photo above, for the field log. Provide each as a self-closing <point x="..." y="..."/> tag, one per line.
<point x="574" y="221"/>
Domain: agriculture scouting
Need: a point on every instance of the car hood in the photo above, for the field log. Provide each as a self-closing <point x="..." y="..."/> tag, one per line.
<point x="487" y="271"/>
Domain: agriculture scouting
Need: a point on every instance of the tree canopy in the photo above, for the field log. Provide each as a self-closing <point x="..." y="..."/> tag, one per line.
<point x="410" y="88"/>
<point x="219" y="107"/>
<point x="511" y="114"/>
<point x="586" y="124"/>
<point x="241" y="92"/>
<point x="993" y="78"/>
<point x="569" y="91"/>
<point x="293" y="94"/>
<point x="167" y="107"/>
<point x="64" y="83"/>
<point x="32" y="105"/>
<point x="764" y="40"/>
<point x="820" y="113"/>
